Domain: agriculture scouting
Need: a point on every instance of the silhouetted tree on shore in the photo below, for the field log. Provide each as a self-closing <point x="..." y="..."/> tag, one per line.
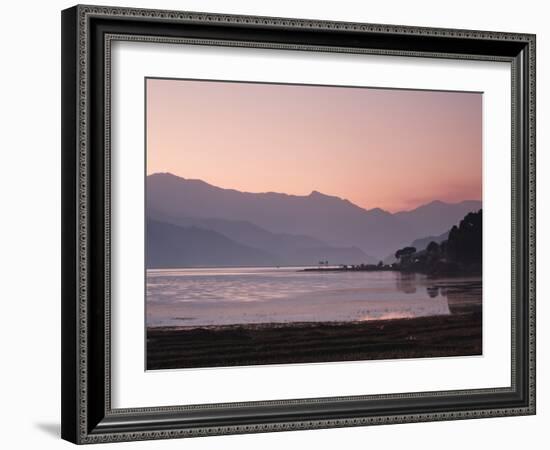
<point x="465" y="241"/>
<point x="405" y="254"/>
<point x="461" y="253"/>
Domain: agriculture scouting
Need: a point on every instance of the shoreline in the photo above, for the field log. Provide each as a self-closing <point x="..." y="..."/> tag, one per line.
<point x="348" y="269"/>
<point x="431" y="274"/>
<point x="458" y="334"/>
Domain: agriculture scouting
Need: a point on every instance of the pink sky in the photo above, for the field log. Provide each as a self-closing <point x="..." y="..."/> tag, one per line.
<point x="386" y="148"/>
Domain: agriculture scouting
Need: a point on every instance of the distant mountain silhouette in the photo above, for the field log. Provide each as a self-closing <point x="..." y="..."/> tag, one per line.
<point x="170" y="246"/>
<point x="331" y="221"/>
<point x="437" y="216"/>
<point x="287" y="248"/>
<point x="423" y="242"/>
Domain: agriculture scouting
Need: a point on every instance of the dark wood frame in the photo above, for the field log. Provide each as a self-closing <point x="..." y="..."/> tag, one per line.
<point x="87" y="415"/>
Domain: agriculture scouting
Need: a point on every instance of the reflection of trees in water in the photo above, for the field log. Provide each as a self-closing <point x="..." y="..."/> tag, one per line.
<point x="460" y="294"/>
<point x="433" y="291"/>
<point x="406" y="282"/>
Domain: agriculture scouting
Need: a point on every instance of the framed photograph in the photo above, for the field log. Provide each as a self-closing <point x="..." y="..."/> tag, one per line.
<point x="277" y="224"/>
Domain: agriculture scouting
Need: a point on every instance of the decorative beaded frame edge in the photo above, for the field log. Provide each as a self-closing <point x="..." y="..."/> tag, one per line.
<point x="76" y="424"/>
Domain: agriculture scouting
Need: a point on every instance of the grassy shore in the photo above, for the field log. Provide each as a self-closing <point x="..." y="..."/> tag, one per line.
<point x="457" y="334"/>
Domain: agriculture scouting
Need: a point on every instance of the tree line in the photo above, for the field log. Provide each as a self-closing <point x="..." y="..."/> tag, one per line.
<point x="461" y="253"/>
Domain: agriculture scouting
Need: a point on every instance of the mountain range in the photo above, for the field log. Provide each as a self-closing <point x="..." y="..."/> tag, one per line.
<point x="191" y="222"/>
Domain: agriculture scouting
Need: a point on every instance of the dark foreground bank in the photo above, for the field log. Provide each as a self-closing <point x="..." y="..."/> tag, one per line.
<point x="457" y="334"/>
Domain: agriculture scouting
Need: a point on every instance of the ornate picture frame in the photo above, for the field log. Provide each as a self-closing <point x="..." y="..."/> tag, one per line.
<point x="88" y="33"/>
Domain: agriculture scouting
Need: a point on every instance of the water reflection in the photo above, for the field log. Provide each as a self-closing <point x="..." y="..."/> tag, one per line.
<point x="433" y="291"/>
<point x="406" y="282"/>
<point x="184" y="297"/>
<point x="457" y="292"/>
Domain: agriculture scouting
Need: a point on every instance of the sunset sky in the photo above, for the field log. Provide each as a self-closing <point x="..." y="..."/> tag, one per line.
<point x="391" y="149"/>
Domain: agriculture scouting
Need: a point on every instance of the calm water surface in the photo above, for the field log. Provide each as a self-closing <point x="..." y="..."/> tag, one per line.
<point x="222" y="296"/>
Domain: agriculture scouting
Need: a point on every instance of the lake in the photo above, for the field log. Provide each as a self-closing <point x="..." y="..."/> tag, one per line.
<point x="225" y="296"/>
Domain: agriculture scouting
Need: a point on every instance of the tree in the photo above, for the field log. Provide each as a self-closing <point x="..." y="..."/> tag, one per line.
<point x="460" y="253"/>
<point x="464" y="244"/>
<point x="404" y="254"/>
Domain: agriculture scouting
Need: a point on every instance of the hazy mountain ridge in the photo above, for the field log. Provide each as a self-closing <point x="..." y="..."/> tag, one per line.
<point x="272" y="220"/>
<point x="422" y="243"/>
<point x="242" y="231"/>
<point x="170" y="246"/>
<point x="433" y="217"/>
<point x="276" y="249"/>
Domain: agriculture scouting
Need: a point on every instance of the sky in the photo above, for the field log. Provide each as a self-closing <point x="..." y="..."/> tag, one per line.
<point x="378" y="148"/>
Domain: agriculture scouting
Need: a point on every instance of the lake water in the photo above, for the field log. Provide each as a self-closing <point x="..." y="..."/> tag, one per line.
<point x="223" y="296"/>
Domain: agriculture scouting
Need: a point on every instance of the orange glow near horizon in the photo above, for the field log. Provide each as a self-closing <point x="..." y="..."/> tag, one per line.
<point x="387" y="148"/>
